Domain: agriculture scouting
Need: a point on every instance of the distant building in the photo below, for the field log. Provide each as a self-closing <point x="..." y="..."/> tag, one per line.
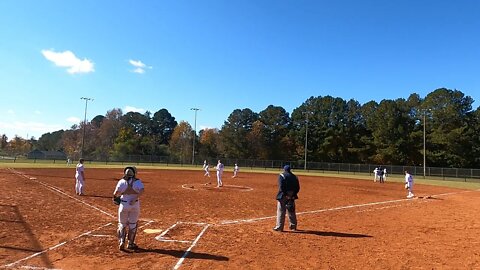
<point x="37" y="154"/>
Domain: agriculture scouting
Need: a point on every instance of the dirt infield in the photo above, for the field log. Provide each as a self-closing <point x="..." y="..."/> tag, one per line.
<point x="187" y="223"/>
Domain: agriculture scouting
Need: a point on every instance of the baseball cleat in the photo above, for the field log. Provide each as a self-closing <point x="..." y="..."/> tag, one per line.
<point x="132" y="246"/>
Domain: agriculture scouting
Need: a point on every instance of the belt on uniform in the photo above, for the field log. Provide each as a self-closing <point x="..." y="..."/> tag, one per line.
<point x="133" y="201"/>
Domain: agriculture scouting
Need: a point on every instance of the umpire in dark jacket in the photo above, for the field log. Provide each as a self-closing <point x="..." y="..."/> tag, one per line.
<point x="288" y="188"/>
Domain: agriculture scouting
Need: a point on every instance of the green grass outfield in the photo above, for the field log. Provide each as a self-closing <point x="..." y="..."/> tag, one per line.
<point x="473" y="184"/>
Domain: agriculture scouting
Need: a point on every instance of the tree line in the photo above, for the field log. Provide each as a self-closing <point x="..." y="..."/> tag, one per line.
<point x="332" y="130"/>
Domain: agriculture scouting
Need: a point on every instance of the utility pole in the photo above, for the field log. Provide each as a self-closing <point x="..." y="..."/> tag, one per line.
<point x="84" y="123"/>
<point x="424" y="144"/>
<point x="194" y="134"/>
<point x="306" y="139"/>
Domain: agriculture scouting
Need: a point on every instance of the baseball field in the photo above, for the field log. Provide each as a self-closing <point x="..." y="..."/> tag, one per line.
<point x="188" y="223"/>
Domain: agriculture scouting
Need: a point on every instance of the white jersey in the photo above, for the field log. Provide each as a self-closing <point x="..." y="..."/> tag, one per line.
<point x="408" y="179"/>
<point x="122" y="186"/>
<point x="220" y="167"/>
<point x="79" y="171"/>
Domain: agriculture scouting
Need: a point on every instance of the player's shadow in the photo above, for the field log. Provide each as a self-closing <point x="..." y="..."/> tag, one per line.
<point x="334" y="234"/>
<point x="181" y="253"/>
<point x="429" y="198"/>
<point x="97" y="196"/>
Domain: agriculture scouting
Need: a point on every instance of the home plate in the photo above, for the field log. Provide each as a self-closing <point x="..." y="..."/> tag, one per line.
<point x="152" y="230"/>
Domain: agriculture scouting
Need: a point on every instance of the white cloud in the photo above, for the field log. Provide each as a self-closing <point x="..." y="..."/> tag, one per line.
<point x="68" y="60"/>
<point x="24" y="129"/>
<point x="205" y="127"/>
<point x="139" y="66"/>
<point x="73" y="120"/>
<point x="139" y="70"/>
<point x="133" y="109"/>
<point x="137" y="63"/>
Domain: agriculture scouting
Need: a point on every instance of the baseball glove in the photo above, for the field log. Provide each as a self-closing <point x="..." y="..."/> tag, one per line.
<point x="116" y="200"/>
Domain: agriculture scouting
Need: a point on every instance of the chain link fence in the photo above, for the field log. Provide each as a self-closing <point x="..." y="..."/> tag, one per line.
<point x="455" y="174"/>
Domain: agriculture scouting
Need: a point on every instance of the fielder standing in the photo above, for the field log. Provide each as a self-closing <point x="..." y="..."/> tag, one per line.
<point x="409" y="184"/>
<point x="126" y="195"/>
<point x="375" y="175"/>
<point x="235" y="170"/>
<point x="206" y="167"/>
<point x="219" y="168"/>
<point x="79" y="177"/>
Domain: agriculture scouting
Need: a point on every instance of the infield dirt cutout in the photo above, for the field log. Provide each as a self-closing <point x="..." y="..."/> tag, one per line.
<point x="343" y="224"/>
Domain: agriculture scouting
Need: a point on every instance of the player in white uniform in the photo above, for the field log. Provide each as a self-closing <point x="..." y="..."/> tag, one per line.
<point x="409" y="184"/>
<point x="127" y="192"/>
<point x="384" y="174"/>
<point x="375" y="175"/>
<point x="219" y="168"/>
<point x="206" y="167"/>
<point x="235" y="170"/>
<point x="79" y="177"/>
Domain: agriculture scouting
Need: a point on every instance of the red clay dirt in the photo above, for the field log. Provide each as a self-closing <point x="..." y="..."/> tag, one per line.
<point x="343" y="223"/>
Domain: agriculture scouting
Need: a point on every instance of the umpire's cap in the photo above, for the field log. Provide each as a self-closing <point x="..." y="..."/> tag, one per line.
<point x="130" y="171"/>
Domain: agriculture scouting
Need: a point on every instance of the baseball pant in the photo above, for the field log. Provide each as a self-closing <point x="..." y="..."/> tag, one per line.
<point x="128" y="215"/>
<point x="79" y="183"/>
<point x="281" y="211"/>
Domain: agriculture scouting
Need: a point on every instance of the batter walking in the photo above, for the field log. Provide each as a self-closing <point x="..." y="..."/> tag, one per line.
<point x="288" y="188"/>
<point x="127" y="195"/>
<point x="79" y="177"/>
<point x="219" y="168"/>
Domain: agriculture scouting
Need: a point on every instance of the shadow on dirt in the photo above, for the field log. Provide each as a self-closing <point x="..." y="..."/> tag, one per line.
<point x="334" y="234"/>
<point x="97" y="196"/>
<point x="27" y="232"/>
<point x="181" y="253"/>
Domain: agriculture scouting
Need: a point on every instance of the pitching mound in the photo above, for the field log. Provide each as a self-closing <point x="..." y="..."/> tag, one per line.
<point x="210" y="186"/>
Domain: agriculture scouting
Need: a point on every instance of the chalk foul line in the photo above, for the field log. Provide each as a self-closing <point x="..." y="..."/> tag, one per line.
<point x="239" y="221"/>
<point x="56" y="246"/>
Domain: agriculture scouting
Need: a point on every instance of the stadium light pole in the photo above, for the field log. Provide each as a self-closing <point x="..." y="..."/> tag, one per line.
<point x="424" y="144"/>
<point x="425" y="141"/>
<point x="84" y="123"/>
<point x="194" y="134"/>
<point x="306" y="140"/>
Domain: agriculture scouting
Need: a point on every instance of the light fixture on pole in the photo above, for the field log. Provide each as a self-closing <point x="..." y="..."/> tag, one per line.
<point x="194" y="134"/>
<point x="84" y="123"/>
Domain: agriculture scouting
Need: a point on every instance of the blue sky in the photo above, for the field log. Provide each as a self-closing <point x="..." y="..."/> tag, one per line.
<point x="219" y="56"/>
